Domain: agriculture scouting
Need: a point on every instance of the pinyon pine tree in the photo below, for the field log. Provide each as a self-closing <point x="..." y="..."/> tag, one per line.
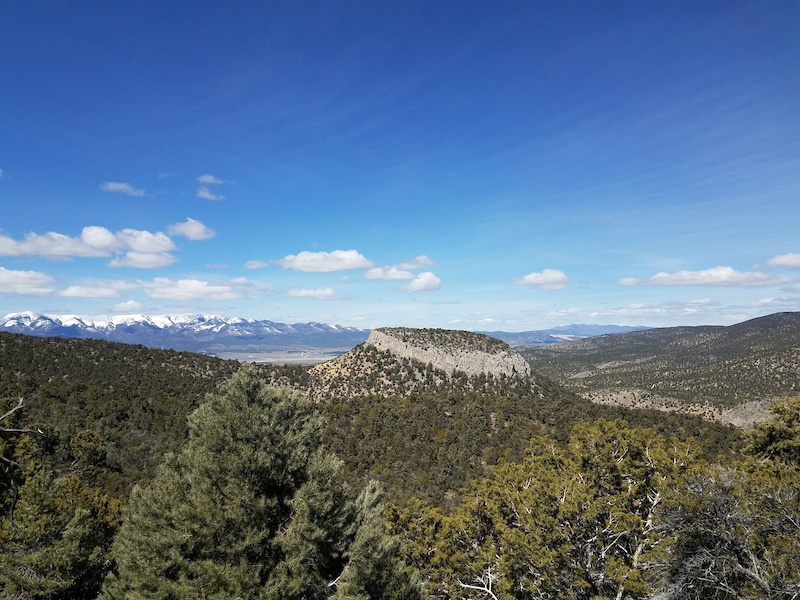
<point x="253" y="507"/>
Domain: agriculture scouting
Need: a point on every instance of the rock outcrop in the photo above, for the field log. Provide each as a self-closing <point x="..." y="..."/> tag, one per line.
<point x="401" y="361"/>
<point x="450" y="350"/>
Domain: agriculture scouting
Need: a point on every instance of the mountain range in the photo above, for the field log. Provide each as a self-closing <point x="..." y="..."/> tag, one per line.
<point x="235" y="337"/>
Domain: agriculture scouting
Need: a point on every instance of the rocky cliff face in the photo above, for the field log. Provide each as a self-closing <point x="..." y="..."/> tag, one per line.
<point x="401" y="361"/>
<point x="449" y="350"/>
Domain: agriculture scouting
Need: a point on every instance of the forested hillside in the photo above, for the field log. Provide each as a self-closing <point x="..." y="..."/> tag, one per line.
<point x="705" y="370"/>
<point x="450" y="486"/>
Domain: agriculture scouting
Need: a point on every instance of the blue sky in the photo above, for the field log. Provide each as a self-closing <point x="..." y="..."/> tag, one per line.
<point x="506" y="165"/>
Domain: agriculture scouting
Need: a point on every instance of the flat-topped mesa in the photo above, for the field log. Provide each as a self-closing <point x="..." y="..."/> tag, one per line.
<point x="449" y="350"/>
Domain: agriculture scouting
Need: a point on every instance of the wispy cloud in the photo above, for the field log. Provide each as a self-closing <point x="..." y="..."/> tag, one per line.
<point x="325" y="262"/>
<point x="143" y="260"/>
<point x="716" y="276"/>
<point x="208" y="179"/>
<point x="424" y="282"/>
<point x="790" y="260"/>
<point x="79" y="291"/>
<point x="34" y="283"/>
<point x="548" y="279"/>
<point x="255" y="264"/>
<point x="191" y="229"/>
<point x="206" y="194"/>
<point x="417" y="263"/>
<point x="121" y="188"/>
<point x="318" y="294"/>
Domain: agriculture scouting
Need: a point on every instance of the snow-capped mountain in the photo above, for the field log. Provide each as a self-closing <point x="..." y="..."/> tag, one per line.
<point x="194" y="332"/>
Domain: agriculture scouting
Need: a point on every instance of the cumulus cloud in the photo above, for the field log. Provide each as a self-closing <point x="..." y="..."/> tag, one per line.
<point x="34" y="283"/>
<point x="399" y="272"/>
<point x="208" y="179"/>
<point x="191" y="229"/>
<point x="716" y="276"/>
<point x="790" y="260"/>
<point x="391" y="273"/>
<point x="325" y="262"/>
<point x="424" y="282"/>
<point x="48" y="245"/>
<point x="206" y="194"/>
<point x="191" y="289"/>
<point x="121" y="188"/>
<point x="319" y="293"/>
<point x="80" y="291"/>
<point x="548" y="279"/>
<point x="99" y="238"/>
<point x="134" y="247"/>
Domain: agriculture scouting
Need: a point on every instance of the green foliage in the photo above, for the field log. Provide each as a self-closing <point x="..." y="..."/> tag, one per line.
<point x="573" y="521"/>
<point x="58" y="546"/>
<point x="779" y="438"/>
<point x="430" y="445"/>
<point x="252" y="507"/>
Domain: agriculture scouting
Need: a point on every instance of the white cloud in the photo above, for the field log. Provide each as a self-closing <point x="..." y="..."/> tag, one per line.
<point x="207" y="194"/>
<point x="191" y="229"/>
<point x="319" y="294"/>
<point x="129" y="306"/>
<point x="255" y="264"/>
<point x="1" y="173"/>
<point x="716" y="276"/>
<point x="79" y="291"/>
<point x="390" y="273"/>
<point x="122" y="188"/>
<point x="325" y="262"/>
<point x="190" y="289"/>
<point x="790" y="260"/>
<point x="143" y="241"/>
<point x="34" y="283"/>
<point x="99" y="238"/>
<point x="143" y="260"/>
<point x="548" y="279"/>
<point x="141" y="249"/>
<point x="424" y="282"/>
<point x="416" y="263"/>
<point x="208" y="179"/>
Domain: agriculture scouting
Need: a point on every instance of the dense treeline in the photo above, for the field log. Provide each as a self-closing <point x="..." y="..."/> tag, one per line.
<point x="123" y="406"/>
<point x="495" y="488"/>
<point x="429" y="446"/>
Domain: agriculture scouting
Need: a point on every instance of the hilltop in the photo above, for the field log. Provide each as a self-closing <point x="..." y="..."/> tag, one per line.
<point x="727" y="373"/>
<point x="398" y="361"/>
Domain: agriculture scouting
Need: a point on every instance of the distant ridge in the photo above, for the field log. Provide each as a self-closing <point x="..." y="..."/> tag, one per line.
<point x="235" y="337"/>
<point x="729" y="373"/>
<point x="210" y="334"/>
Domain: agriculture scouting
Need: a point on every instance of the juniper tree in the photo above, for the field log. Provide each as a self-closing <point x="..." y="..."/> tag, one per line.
<point x="252" y="507"/>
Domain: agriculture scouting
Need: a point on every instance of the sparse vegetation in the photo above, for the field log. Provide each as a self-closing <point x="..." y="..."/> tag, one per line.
<point x="705" y="370"/>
